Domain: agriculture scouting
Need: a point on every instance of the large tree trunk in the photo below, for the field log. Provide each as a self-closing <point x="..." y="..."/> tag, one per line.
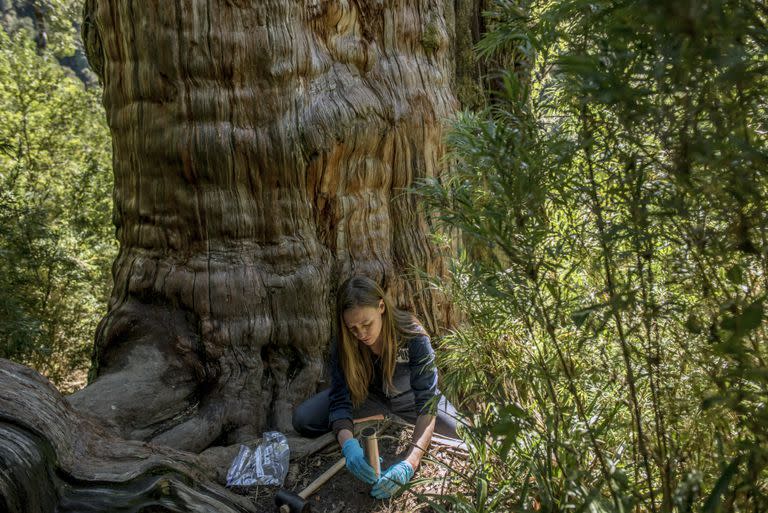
<point x="263" y="152"/>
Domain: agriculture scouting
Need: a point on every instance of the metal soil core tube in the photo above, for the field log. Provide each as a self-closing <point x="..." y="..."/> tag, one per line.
<point x="371" y="446"/>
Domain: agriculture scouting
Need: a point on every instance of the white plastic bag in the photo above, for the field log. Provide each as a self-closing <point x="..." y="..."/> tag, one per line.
<point x="265" y="464"/>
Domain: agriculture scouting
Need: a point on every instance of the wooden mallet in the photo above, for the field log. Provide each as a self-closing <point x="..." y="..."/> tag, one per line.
<point x="291" y="502"/>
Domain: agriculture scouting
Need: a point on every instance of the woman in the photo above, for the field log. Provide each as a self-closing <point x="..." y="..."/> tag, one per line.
<point x="383" y="362"/>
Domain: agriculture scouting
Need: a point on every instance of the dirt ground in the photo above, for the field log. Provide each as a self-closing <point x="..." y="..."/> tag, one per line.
<point x="343" y="493"/>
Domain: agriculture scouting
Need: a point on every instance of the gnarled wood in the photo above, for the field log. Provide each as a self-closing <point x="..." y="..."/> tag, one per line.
<point x="54" y="459"/>
<point x="262" y="152"/>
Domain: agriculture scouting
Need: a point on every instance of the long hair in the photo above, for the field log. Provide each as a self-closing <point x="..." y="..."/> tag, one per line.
<point x="355" y="359"/>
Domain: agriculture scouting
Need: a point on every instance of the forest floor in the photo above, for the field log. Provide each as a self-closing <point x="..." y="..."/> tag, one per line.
<point x="343" y="493"/>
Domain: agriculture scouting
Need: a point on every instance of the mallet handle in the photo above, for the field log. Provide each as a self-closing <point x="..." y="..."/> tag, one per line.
<point x="322" y="478"/>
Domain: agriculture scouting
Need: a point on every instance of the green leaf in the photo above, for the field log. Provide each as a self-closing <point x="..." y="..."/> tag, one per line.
<point x="735" y="274"/>
<point x="693" y="324"/>
<point x="748" y="320"/>
<point x="713" y="502"/>
<point x="512" y="419"/>
<point x="711" y="401"/>
<point x="481" y="493"/>
<point x="579" y="317"/>
<point x="752" y="316"/>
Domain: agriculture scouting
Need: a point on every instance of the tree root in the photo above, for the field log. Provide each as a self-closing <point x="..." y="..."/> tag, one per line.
<point x="56" y="459"/>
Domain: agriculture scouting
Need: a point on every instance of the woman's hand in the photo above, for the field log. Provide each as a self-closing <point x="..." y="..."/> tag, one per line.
<point x="356" y="462"/>
<point x="392" y="479"/>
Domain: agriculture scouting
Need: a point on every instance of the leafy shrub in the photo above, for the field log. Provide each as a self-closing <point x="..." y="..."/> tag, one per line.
<point x="613" y="261"/>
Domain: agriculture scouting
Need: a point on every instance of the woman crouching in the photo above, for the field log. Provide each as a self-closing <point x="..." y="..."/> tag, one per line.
<point x="383" y="362"/>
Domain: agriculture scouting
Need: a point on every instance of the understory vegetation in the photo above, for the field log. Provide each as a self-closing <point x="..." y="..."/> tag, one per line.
<point x="613" y="267"/>
<point x="57" y="240"/>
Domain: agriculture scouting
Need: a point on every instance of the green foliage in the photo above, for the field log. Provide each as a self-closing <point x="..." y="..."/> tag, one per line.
<point x="56" y="238"/>
<point x="614" y="261"/>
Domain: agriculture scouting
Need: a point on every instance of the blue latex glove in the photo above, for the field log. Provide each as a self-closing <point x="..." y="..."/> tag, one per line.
<point x="392" y="479"/>
<point x="356" y="462"/>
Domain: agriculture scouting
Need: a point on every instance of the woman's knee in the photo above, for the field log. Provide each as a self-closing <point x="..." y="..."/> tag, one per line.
<point x="446" y="426"/>
<point x="447" y="419"/>
<point x="310" y="418"/>
<point x="303" y="421"/>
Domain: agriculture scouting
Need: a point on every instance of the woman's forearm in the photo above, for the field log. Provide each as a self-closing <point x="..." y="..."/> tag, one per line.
<point x="422" y="436"/>
<point x="344" y="435"/>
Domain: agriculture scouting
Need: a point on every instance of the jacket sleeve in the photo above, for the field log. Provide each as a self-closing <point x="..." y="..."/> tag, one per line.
<point x="421" y="358"/>
<point x="340" y="411"/>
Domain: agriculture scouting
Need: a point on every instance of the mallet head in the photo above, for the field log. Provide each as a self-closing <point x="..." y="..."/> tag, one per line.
<point x="290" y="502"/>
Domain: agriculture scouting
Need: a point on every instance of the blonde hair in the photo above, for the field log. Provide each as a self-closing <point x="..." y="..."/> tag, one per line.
<point x="355" y="359"/>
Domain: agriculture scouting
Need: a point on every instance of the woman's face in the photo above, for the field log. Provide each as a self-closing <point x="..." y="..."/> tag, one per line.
<point x="364" y="322"/>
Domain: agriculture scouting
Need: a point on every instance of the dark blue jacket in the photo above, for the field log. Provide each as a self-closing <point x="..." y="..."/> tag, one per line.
<point x="415" y="370"/>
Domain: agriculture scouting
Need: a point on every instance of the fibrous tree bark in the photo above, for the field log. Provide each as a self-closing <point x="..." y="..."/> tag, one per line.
<point x="263" y="151"/>
<point x="53" y="459"/>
